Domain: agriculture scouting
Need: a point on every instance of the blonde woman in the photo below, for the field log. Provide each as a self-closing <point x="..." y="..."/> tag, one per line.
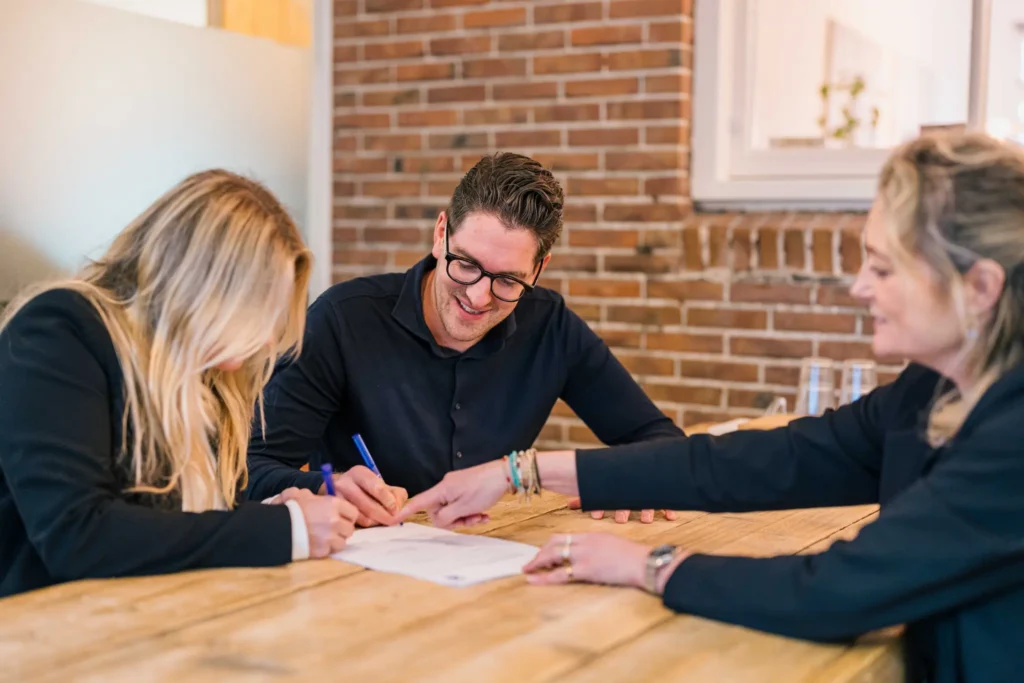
<point x="941" y="448"/>
<point x="127" y="394"/>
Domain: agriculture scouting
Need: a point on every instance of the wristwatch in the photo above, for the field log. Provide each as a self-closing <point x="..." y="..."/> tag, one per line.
<point x="656" y="559"/>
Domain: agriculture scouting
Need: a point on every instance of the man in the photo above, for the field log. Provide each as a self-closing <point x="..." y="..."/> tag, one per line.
<point x="455" y="362"/>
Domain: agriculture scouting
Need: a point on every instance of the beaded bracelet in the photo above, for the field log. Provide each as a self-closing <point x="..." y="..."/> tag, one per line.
<point x="523" y="480"/>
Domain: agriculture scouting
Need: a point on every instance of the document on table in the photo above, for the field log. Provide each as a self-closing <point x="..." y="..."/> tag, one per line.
<point x="444" y="557"/>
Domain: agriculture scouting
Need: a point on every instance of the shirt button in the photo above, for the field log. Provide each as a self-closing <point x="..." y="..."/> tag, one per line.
<point x="459" y="454"/>
<point x="458" y="406"/>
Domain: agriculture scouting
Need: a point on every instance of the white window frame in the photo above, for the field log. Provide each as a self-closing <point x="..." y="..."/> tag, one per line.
<point x="728" y="174"/>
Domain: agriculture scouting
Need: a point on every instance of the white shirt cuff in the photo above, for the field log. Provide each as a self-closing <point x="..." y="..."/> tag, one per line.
<point x="300" y="535"/>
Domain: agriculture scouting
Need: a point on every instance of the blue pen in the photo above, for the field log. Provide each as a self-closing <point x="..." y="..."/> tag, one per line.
<point x="363" y="451"/>
<point x="328" y="473"/>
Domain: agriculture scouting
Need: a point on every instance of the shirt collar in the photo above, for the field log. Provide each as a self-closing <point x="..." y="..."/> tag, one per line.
<point x="408" y="311"/>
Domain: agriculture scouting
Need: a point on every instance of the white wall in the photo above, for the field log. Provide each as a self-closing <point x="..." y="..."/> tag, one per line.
<point x="103" y="110"/>
<point x="192" y="12"/>
<point x="931" y="37"/>
<point x="1005" y="86"/>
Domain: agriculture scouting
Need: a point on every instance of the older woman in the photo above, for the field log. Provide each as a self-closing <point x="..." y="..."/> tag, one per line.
<point x="940" y="449"/>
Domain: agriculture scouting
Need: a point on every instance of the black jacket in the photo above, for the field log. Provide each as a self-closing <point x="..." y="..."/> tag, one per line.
<point x="64" y="514"/>
<point x="945" y="556"/>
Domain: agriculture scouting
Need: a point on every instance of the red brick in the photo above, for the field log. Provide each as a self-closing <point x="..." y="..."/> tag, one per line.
<point x="393" y="143"/>
<point x="579" y="213"/>
<point x="353" y="164"/>
<point x="344" y="236"/>
<point x="362" y="121"/>
<point x="676" y="83"/>
<point x="666" y="135"/>
<point x="574" y="262"/>
<point x="741" y="249"/>
<point x="343" y="8"/>
<point x="428" y="117"/>
<point x="669" y="32"/>
<point x="850" y="251"/>
<point x="539" y="40"/>
<point x="821" y="248"/>
<point x="724" y="317"/>
<point x="345" y="98"/>
<point x="607" y="35"/>
<point x="770" y="347"/>
<point x="639" y="263"/>
<point x="397" y="235"/>
<point x="775" y="374"/>
<point x="793" y="247"/>
<point x="815" y="322"/>
<point x="360" y="212"/>
<point x="643" y="161"/>
<point x="603" y="137"/>
<point x="602" y="87"/>
<point x="837" y="295"/>
<point x="577" y="11"/>
<point x="582" y="434"/>
<point x="602" y="186"/>
<point x="407" y="258"/>
<point x="551" y="434"/>
<point x="589" y="312"/>
<point x="441" y="188"/>
<point x="645" y="109"/>
<point x="381" y="74"/>
<point x="645" y="213"/>
<point x="567" y="63"/>
<point x="492" y="115"/>
<point x="514" y="16"/>
<point x="434" y="23"/>
<point x="673" y="341"/>
<point x="768" y="245"/>
<point x="685" y="290"/>
<point x="693" y="257"/>
<point x="361" y="257"/>
<point x="567" y="112"/>
<point x="676" y="185"/>
<point x="603" y="237"/>
<point x="490" y="68"/>
<point x="725" y="372"/>
<point x="845" y="350"/>
<point x="644" y="315"/>
<point x="344" y="143"/>
<point x="432" y="71"/>
<point x="647" y="365"/>
<point x="757" y="398"/>
<point x="389" y="98"/>
<point x="458" y="93"/>
<point x="427" y="165"/>
<point x="692" y="417"/>
<point x="346" y="53"/>
<point x="525" y="91"/>
<point x="560" y="161"/>
<point x="626" y="339"/>
<point x="609" y="289"/>
<point x="645" y="8"/>
<point x="678" y="393"/>
<point x="393" y="5"/>
<point x="658" y="58"/>
<point x="458" y="141"/>
<point x="460" y="46"/>
<point x="391" y="188"/>
<point x="401" y="50"/>
<point x="770" y="293"/>
<point x="527" y="138"/>
<point x="456" y="3"/>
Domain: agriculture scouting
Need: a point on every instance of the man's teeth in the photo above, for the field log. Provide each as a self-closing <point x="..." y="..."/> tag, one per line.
<point x="469" y="310"/>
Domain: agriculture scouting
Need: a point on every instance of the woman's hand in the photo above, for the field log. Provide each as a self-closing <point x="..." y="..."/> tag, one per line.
<point x="462" y="498"/>
<point x="330" y="520"/>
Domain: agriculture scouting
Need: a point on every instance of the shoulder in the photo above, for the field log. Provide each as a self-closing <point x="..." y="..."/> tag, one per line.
<point x="544" y="304"/>
<point x="362" y="291"/>
<point x="59" y="311"/>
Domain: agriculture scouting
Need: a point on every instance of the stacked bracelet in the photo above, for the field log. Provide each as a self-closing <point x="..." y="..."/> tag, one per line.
<point x="523" y="476"/>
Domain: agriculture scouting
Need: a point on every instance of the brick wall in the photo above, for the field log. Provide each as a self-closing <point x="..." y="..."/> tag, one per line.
<point x="711" y="312"/>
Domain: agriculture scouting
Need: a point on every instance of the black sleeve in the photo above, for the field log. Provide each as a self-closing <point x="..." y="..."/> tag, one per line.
<point x="299" y="402"/>
<point x="57" y="458"/>
<point x="834" y="459"/>
<point x="603" y="394"/>
<point x="952" y="538"/>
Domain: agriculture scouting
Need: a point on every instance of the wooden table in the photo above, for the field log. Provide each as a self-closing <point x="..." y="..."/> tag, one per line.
<point x="331" y="620"/>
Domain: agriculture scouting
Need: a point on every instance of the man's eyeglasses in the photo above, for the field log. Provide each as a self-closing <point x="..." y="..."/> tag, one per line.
<point x="467" y="272"/>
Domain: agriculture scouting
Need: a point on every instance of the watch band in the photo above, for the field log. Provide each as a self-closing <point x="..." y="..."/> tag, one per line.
<point x="657" y="559"/>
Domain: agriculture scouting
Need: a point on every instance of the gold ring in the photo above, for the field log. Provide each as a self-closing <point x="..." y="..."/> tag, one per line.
<point x="567" y="550"/>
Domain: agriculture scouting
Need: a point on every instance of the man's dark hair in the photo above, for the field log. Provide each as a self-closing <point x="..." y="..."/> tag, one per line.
<point x="516" y="190"/>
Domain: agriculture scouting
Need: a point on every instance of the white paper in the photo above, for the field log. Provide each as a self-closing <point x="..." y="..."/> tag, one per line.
<point x="444" y="557"/>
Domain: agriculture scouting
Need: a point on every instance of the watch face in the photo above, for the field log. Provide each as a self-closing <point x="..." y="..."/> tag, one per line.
<point x="663" y="550"/>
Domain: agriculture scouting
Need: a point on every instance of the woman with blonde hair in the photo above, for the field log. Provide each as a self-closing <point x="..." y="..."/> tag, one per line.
<point x="940" y="448"/>
<point x="127" y="394"/>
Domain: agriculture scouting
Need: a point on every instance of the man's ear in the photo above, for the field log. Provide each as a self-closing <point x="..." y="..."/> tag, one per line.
<point x="437" y="249"/>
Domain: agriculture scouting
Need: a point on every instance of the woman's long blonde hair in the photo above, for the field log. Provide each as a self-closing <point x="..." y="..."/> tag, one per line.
<point x="213" y="271"/>
<point x="955" y="199"/>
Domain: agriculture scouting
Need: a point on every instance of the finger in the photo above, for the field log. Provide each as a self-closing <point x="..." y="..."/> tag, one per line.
<point x="293" y="493"/>
<point x="350" y="490"/>
<point x="671" y="515"/>
<point x="429" y="501"/>
<point x="448" y="516"/>
<point x="318" y="548"/>
<point x="646" y="516"/>
<point x="621" y="516"/>
<point x="575" y="504"/>
<point x="555" y="577"/>
<point x="345" y="509"/>
<point x="337" y="544"/>
<point x="375" y="487"/>
<point x="365" y="521"/>
<point x="549" y="555"/>
<point x="401" y="496"/>
<point x="472" y="520"/>
<point x="597" y="514"/>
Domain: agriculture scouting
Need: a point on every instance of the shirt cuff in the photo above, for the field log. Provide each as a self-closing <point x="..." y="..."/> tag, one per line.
<point x="300" y="535"/>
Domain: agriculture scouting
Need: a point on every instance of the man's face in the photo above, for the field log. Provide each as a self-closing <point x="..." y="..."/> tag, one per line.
<point x="468" y="312"/>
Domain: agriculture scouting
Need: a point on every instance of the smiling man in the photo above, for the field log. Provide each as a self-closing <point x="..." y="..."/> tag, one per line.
<point x="455" y="362"/>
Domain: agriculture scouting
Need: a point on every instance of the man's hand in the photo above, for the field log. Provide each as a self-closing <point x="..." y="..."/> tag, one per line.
<point x="622" y="516"/>
<point x="377" y="502"/>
